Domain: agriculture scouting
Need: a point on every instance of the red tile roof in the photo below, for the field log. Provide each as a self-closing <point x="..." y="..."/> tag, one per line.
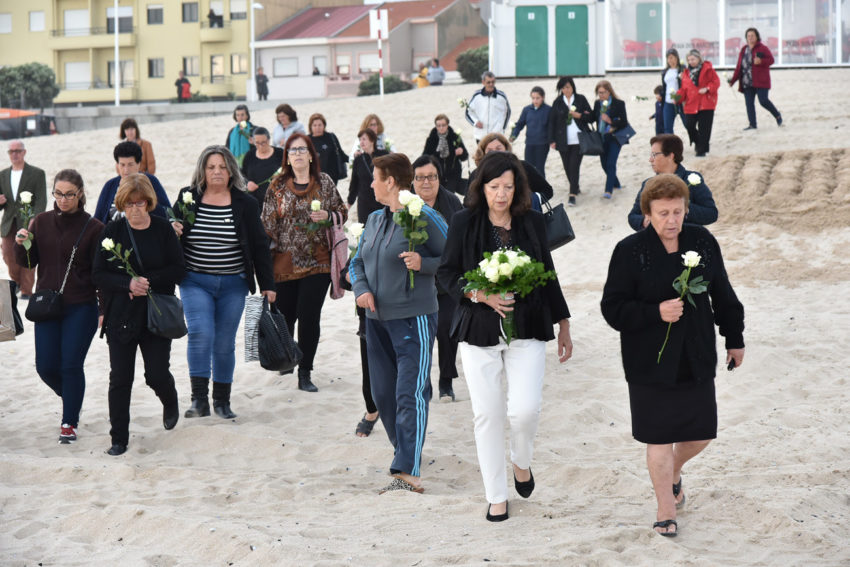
<point x="319" y="22"/>
<point x="449" y="60"/>
<point x="398" y="12"/>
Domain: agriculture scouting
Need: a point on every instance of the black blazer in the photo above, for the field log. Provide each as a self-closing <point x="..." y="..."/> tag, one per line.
<point x="252" y="236"/>
<point x="360" y="185"/>
<point x="640" y="276"/>
<point x="476" y="323"/>
<point x="557" y="125"/>
<point x="330" y="155"/>
<point x="451" y="165"/>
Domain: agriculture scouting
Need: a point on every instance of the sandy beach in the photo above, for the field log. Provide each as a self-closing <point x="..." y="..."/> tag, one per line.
<point x="288" y="482"/>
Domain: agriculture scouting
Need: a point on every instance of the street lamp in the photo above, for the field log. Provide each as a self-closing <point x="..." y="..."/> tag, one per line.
<point x="252" y="87"/>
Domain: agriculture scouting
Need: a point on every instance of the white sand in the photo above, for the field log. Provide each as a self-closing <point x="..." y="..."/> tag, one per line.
<point x="290" y="484"/>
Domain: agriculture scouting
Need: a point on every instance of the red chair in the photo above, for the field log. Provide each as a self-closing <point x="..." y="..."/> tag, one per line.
<point x="708" y="49"/>
<point x="805" y="47"/>
<point x="658" y="50"/>
<point x="773" y="45"/>
<point x="733" y="48"/>
<point x="632" y="51"/>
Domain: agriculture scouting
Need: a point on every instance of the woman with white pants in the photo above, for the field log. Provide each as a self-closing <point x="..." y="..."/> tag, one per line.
<point x="499" y="215"/>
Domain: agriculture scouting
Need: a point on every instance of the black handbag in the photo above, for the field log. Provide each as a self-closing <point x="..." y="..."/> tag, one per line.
<point x="590" y="143"/>
<point x="559" y="231"/>
<point x="16" y="316"/>
<point x="277" y="349"/>
<point x="342" y="161"/>
<point x="165" y="311"/>
<point x="46" y="304"/>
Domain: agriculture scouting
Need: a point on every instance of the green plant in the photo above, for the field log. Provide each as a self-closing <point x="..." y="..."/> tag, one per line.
<point x="392" y="84"/>
<point x="472" y="63"/>
<point x="32" y="85"/>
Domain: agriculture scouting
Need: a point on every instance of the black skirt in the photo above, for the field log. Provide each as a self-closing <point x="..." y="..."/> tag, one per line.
<point x="673" y="413"/>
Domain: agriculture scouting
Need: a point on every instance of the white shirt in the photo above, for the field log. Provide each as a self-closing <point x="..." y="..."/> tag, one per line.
<point x="16" y="182"/>
<point x="671" y="81"/>
<point x="572" y="128"/>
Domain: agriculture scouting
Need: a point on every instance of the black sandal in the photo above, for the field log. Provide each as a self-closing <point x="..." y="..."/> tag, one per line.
<point x="666" y="524"/>
<point x="677" y="488"/>
<point x="364" y="428"/>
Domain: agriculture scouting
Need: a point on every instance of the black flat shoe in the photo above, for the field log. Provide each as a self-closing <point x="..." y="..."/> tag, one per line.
<point x="447" y="395"/>
<point x="223" y="411"/>
<point x="170" y="416"/>
<point x="498" y="518"/>
<point x="524" y="489"/>
<point x="116" y="450"/>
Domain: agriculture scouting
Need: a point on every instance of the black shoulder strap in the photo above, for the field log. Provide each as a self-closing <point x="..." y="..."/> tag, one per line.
<point x="135" y="247"/>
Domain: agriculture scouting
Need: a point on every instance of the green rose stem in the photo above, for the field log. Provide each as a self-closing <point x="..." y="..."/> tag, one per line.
<point x="681" y="295"/>
<point x="124" y="259"/>
<point x="26" y="217"/>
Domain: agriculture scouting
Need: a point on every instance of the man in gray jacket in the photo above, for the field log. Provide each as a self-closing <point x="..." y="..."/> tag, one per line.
<point x="20" y="178"/>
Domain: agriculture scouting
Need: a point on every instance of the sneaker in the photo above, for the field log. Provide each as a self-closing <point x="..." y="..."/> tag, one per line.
<point x="447" y="395"/>
<point x="68" y="434"/>
<point x="606" y="195"/>
<point x="750" y="127"/>
<point x="571" y="202"/>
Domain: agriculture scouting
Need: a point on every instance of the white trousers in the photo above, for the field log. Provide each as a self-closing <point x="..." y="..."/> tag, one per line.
<point x="522" y="364"/>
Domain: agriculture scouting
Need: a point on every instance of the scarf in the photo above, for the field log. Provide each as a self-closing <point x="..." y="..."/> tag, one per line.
<point x="747" y="68"/>
<point x="237" y="143"/>
<point x="694" y="72"/>
<point x="443" y="145"/>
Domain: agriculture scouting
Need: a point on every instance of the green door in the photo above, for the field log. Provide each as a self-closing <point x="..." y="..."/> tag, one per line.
<point x="571" y="50"/>
<point x="532" y="41"/>
<point x="648" y="20"/>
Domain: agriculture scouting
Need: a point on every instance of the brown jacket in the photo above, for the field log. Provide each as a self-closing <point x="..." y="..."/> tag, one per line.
<point x="148" y="164"/>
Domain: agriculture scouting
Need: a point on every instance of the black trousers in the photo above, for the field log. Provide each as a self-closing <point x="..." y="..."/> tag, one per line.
<point x="571" y="158"/>
<point x="446" y="346"/>
<point x="301" y="301"/>
<point x="699" y="129"/>
<point x="156" y="353"/>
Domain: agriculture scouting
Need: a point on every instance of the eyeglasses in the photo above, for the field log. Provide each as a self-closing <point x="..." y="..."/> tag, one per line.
<point x="16" y="151"/>
<point x="433" y="177"/>
<point x="260" y="144"/>
<point x="67" y="196"/>
<point x="137" y="204"/>
<point x="654" y="155"/>
<point x="298" y="150"/>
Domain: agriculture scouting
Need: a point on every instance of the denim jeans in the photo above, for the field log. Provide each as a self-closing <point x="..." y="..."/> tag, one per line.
<point x="669" y="117"/>
<point x="750" y="94"/>
<point x="536" y="156"/>
<point x="213" y="305"/>
<point x="610" y="153"/>
<point x="60" y="351"/>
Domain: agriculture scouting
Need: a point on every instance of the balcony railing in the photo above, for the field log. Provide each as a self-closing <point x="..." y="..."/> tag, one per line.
<point x="216" y="80"/>
<point x="82" y="32"/>
<point x="218" y="23"/>
<point x="92" y="85"/>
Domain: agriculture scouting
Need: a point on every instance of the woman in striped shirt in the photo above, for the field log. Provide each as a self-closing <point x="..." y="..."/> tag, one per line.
<point x="226" y="248"/>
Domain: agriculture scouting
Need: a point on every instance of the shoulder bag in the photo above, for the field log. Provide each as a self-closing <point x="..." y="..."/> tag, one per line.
<point x="589" y="143"/>
<point x="165" y="311"/>
<point x="338" y="247"/>
<point x="275" y="346"/>
<point x="341" y="160"/>
<point x="559" y="231"/>
<point x="46" y="304"/>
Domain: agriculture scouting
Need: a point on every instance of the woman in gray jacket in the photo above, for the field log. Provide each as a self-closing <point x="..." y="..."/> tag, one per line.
<point x="401" y="318"/>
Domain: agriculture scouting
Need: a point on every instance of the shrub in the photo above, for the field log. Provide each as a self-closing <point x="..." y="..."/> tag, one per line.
<point x="392" y="84"/>
<point x="472" y="63"/>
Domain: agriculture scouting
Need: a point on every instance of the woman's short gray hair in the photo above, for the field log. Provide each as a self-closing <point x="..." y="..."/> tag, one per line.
<point x="199" y="178"/>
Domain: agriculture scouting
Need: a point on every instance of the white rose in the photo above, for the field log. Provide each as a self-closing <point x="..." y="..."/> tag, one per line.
<point x="494" y="263"/>
<point x="573" y="108"/>
<point x="26" y="197"/>
<point x="694" y="179"/>
<point x="405" y="197"/>
<point x="484" y="263"/>
<point x="315" y="205"/>
<point x="355" y="229"/>
<point x="187" y="198"/>
<point x="506" y="270"/>
<point x="415" y="207"/>
<point x="691" y="259"/>
<point x="492" y="274"/>
<point x="108" y="244"/>
<point x="524" y="259"/>
<point x="243" y="124"/>
<point x="459" y="133"/>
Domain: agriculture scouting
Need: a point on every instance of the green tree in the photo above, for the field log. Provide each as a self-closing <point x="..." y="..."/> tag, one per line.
<point x="472" y="63"/>
<point x="32" y="85"/>
<point x="392" y="84"/>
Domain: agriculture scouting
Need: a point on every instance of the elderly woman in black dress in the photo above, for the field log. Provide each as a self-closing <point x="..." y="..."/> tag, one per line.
<point x="671" y="394"/>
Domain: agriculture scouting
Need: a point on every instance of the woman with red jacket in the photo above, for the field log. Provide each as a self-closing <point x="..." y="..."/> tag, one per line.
<point x="700" y="84"/>
<point x="753" y="71"/>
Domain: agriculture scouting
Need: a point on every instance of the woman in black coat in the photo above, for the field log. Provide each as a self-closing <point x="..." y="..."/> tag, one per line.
<point x="447" y="146"/>
<point x="158" y="259"/>
<point x="499" y="215"/>
<point x="671" y="384"/>
<point x="360" y="186"/>
<point x="570" y="113"/>
<point x="332" y="160"/>
<point x="610" y="114"/>
<point x="495" y="142"/>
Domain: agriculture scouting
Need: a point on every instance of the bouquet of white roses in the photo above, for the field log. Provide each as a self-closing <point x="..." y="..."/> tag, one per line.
<point x="507" y="271"/>
<point x="187" y="215"/>
<point x="26" y="217"/>
<point x="123" y="256"/>
<point x="408" y="219"/>
<point x="685" y="288"/>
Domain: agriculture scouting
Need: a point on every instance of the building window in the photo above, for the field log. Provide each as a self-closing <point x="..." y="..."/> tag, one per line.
<point x="77" y="75"/>
<point x="238" y="10"/>
<point x="125" y="69"/>
<point x="238" y="64"/>
<point x="36" y="21"/>
<point x="156" y="68"/>
<point x="190" y="12"/>
<point x="285" y="66"/>
<point x="76" y="22"/>
<point x="5" y="23"/>
<point x="368" y="63"/>
<point x="155" y="14"/>
<point x="125" y="19"/>
<point x="217" y="68"/>
<point x="192" y="66"/>
<point x="343" y="64"/>
<point x="320" y="64"/>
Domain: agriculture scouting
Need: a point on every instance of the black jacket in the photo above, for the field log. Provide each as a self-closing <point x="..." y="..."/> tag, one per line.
<point x="331" y="156"/>
<point x="162" y="256"/>
<point x="558" y="120"/>
<point x="619" y="127"/>
<point x="640" y="276"/>
<point x="452" y="166"/>
<point x="477" y="323"/>
<point x="251" y="234"/>
<point x="360" y="185"/>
